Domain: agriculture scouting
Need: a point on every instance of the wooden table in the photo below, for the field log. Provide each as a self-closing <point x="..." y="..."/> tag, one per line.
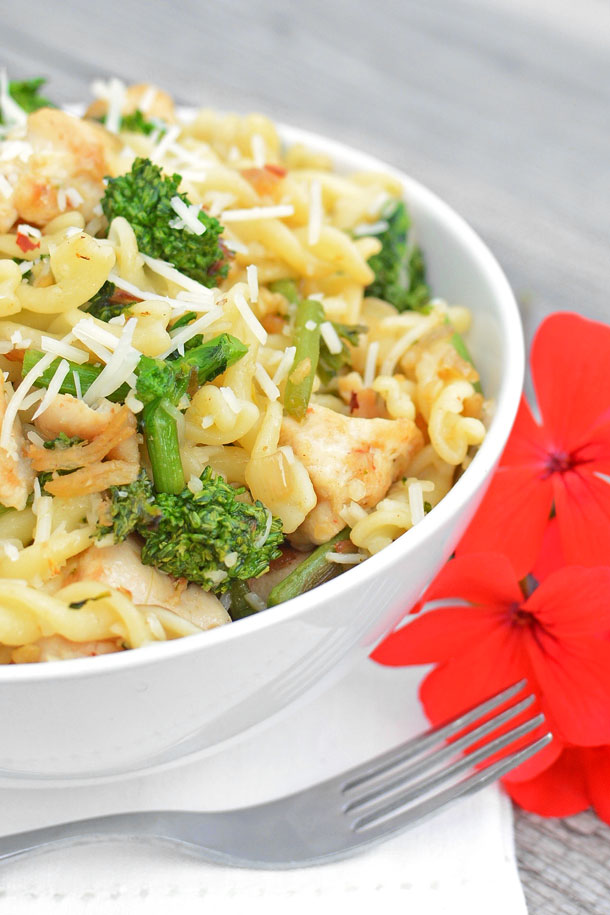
<point x="501" y="106"/>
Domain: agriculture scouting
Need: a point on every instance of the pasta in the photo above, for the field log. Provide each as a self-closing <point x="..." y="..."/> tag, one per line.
<point x="390" y="405"/>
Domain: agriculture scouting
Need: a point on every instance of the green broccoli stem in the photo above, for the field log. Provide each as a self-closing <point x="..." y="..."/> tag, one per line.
<point x="306" y="339"/>
<point x="240" y="608"/>
<point x="457" y="341"/>
<point x="161" y="437"/>
<point x="86" y="375"/>
<point x="310" y="573"/>
<point x="212" y="358"/>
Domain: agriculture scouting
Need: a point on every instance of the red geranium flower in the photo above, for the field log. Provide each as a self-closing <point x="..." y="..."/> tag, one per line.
<point x="557" y="638"/>
<point x="578" y="779"/>
<point x="558" y="462"/>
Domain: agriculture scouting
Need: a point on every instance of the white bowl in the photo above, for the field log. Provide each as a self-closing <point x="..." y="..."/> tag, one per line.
<point x="97" y="718"/>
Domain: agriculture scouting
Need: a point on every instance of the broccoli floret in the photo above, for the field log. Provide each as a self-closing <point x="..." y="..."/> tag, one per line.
<point x="130" y="507"/>
<point x="143" y="197"/>
<point x="400" y="273"/>
<point x="330" y="364"/>
<point x="26" y="94"/>
<point x="210" y="537"/>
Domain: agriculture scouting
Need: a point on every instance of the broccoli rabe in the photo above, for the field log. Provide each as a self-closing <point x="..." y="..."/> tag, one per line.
<point x="108" y="303"/>
<point x="210" y="537"/>
<point x="330" y="364"/>
<point x="160" y="387"/>
<point x="130" y="508"/>
<point x="26" y="94"/>
<point x="143" y="197"/>
<point x="400" y="273"/>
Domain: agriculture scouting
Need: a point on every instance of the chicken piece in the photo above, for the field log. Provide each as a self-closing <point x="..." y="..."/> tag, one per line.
<point x="348" y="459"/>
<point x="16" y="474"/>
<point x="67" y="154"/>
<point x="120" y="567"/>
<point x="161" y="105"/>
<point x="74" y="417"/>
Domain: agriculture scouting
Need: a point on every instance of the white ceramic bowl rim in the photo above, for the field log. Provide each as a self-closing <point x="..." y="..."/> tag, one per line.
<point x="506" y="406"/>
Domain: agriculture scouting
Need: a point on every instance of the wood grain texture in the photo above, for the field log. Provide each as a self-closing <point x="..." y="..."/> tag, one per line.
<point x="500" y="106"/>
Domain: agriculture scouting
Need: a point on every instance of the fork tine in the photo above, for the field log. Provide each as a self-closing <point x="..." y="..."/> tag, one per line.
<point x="419" y="744"/>
<point x="425" y="785"/>
<point x="430" y="761"/>
<point x="416" y="813"/>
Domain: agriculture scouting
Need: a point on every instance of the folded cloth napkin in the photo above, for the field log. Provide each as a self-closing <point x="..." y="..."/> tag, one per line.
<point x="460" y="861"/>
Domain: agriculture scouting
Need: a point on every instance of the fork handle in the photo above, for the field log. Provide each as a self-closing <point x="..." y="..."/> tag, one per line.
<point x="145" y="824"/>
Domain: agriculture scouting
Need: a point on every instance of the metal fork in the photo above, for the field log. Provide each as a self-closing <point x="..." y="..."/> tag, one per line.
<point x="336" y="817"/>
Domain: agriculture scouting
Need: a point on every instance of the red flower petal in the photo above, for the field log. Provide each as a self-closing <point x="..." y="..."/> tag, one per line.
<point x="494" y="663"/>
<point x="569" y="359"/>
<point x="597" y="763"/>
<point x="550" y="558"/>
<point x="482" y="578"/>
<point x="437" y="635"/>
<point x="582" y="502"/>
<point x="573" y="603"/>
<point x="511" y="519"/>
<point x="558" y="791"/>
<point x="574" y="680"/>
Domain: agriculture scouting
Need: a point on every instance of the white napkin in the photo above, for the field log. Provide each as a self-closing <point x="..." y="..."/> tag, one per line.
<point x="462" y="861"/>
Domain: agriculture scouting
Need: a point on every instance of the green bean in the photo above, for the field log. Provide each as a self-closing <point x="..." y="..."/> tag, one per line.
<point x="310" y="573"/>
<point x="309" y="317"/>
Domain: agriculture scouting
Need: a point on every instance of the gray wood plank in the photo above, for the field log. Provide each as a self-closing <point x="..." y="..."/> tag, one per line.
<point x="501" y="106"/>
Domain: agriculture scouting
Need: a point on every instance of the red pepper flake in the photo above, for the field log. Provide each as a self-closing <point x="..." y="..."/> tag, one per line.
<point x="25" y="243"/>
<point x="353" y="402"/>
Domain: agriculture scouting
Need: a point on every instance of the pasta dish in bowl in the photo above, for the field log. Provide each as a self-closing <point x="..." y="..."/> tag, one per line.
<point x="236" y="366"/>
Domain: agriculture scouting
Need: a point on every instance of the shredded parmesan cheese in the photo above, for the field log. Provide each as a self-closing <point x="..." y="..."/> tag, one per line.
<point x="119" y="367"/>
<point x="191" y="330"/>
<point x="250" y="318"/>
<point x="345" y="558"/>
<point x="371" y="363"/>
<point x="285" y="364"/>
<point x="262" y="539"/>
<point x="53" y="388"/>
<point x="230" y="399"/>
<point x="266" y="384"/>
<point x="58" y="348"/>
<point x="17" y="400"/>
<point x="164" y="269"/>
<point x="331" y="338"/>
<point x="273" y="212"/>
<point x="252" y="276"/>
<point x="259" y="152"/>
<point x="187" y="216"/>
